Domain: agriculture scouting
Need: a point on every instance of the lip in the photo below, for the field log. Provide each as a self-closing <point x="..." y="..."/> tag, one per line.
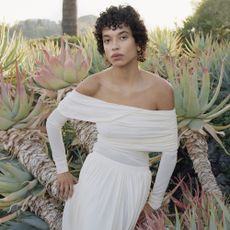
<point x="116" y="55"/>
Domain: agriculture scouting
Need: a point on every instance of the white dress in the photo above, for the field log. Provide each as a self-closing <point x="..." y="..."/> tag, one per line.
<point x="114" y="182"/>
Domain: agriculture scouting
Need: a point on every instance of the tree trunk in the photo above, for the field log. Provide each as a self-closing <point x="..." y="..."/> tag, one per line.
<point x="197" y="148"/>
<point x="47" y="208"/>
<point x="69" y="17"/>
<point x="28" y="147"/>
<point x="86" y="133"/>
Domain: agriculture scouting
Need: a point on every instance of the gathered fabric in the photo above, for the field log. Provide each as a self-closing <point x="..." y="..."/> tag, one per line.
<point x="126" y="135"/>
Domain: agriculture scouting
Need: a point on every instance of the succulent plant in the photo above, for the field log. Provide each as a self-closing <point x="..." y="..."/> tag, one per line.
<point x="194" y="100"/>
<point x="11" y="49"/>
<point x="16" y="106"/>
<point x="16" y="183"/>
<point x="63" y="70"/>
<point x="163" y="45"/>
<point x="90" y="45"/>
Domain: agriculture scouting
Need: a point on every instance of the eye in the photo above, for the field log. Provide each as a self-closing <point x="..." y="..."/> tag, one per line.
<point x="123" y="37"/>
<point x="106" y="41"/>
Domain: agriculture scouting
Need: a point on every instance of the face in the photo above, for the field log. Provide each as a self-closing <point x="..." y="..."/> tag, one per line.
<point x="119" y="45"/>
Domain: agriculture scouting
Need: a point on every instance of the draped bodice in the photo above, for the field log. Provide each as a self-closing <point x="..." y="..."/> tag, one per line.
<point x="125" y="133"/>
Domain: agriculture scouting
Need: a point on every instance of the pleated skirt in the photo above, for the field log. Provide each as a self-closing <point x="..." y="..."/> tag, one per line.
<point x="109" y="195"/>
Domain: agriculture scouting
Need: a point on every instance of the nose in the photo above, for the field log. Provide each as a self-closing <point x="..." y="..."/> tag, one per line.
<point x="115" y="45"/>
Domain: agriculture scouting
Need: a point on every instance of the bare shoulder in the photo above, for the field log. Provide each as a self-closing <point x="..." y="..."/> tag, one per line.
<point x="90" y="85"/>
<point x="163" y="92"/>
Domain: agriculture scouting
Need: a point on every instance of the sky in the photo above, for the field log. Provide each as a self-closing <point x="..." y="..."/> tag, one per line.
<point x="163" y="13"/>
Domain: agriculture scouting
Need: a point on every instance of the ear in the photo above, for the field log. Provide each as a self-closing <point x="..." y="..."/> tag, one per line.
<point x="138" y="48"/>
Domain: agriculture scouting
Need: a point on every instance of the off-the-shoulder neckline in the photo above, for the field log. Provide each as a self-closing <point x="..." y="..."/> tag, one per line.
<point x="124" y="106"/>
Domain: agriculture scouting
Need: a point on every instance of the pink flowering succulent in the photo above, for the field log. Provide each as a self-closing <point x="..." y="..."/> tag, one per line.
<point x="61" y="71"/>
<point x="16" y="105"/>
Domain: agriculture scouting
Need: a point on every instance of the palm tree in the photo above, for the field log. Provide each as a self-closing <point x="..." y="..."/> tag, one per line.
<point x="69" y="17"/>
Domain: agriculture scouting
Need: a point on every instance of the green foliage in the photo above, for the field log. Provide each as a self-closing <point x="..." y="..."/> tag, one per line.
<point x="75" y="155"/>
<point x="198" y="72"/>
<point x="211" y="16"/>
<point x="53" y="39"/>
<point x="37" y="28"/>
<point x="89" y="43"/>
<point x="11" y="49"/>
<point x="193" y="210"/>
<point x="42" y="28"/>
<point x="24" y="221"/>
<point x="199" y="210"/>
<point x="16" y="183"/>
<point x="34" y="50"/>
<point x="163" y="45"/>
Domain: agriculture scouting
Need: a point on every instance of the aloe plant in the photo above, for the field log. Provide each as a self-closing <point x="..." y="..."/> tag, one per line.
<point x="88" y="41"/>
<point x="221" y="51"/>
<point x="195" y="110"/>
<point x="163" y="45"/>
<point x="11" y="49"/>
<point x="16" y="106"/>
<point x="189" y="73"/>
<point x="193" y="98"/>
<point x="24" y="220"/>
<point x="34" y="53"/>
<point x="199" y="210"/>
<point x="16" y="183"/>
<point x="195" y="209"/>
<point x="64" y="70"/>
<point x="199" y="45"/>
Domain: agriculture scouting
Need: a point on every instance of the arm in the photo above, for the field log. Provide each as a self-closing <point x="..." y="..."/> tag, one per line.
<point x="54" y="125"/>
<point x="65" y="179"/>
<point x="57" y="119"/>
<point x="164" y="173"/>
<point x="168" y="158"/>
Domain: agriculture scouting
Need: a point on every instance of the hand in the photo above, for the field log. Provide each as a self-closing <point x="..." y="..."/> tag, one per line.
<point x="65" y="185"/>
<point x="147" y="211"/>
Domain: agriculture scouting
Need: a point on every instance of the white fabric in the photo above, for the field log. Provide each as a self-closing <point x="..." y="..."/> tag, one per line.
<point x="126" y="134"/>
<point x="108" y="196"/>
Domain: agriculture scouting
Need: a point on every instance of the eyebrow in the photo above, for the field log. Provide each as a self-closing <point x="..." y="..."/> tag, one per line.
<point x="122" y="32"/>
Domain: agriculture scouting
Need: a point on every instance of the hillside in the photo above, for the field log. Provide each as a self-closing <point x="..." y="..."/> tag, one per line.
<point x="86" y="22"/>
<point x="38" y="28"/>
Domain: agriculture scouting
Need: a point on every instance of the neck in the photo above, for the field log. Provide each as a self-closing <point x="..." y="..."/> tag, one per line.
<point x="125" y="76"/>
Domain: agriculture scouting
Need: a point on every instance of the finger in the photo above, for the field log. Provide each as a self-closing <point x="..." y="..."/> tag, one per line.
<point x="66" y="191"/>
<point x="75" y="180"/>
<point x="61" y="190"/>
<point x="141" y="221"/>
<point x="141" y="217"/>
<point x="70" y="194"/>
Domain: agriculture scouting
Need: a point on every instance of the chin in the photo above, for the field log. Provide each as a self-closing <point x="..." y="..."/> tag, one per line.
<point x="118" y="64"/>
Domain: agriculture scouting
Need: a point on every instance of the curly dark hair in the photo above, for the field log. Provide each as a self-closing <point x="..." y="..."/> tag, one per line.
<point x="115" y="17"/>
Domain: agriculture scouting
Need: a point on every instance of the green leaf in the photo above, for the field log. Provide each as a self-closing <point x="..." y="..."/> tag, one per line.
<point x="193" y="106"/>
<point x="223" y="207"/>
<point x="212" y="131"/>
<point x="193" y="219"/>
<point x="217" y="108"/>
<point x="217" y="91"/>
<point x="183" y="123"/>
<point x="178" y="221"/>
<point x="205" y="90"/>
<point x="217" y="114"/>
<point x="196" y="124"/>
<point x="212" y="224"/>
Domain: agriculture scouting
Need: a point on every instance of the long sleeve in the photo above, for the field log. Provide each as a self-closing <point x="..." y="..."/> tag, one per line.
<point x="54" y="125"/>
<point x="164" y="173"/>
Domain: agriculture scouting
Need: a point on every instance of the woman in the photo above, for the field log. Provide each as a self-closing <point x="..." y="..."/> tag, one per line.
<point x="134" y="115"/>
